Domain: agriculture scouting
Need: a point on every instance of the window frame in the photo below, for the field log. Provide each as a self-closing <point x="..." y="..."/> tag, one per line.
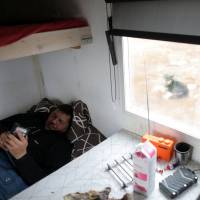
<point x="182" y="38"/>
<point x="154" y="118"/>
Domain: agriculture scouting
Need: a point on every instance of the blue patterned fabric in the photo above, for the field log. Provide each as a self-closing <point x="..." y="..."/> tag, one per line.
<point x="10" y="182"/>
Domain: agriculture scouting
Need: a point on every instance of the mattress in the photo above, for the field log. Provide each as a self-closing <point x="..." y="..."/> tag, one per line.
<point x="11" y="34"/>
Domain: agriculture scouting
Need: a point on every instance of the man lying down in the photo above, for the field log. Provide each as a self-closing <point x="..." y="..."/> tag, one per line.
<point x="25" y="159"/>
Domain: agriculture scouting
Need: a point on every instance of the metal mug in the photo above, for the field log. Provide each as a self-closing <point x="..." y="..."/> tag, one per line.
<point x="183" y="152"/>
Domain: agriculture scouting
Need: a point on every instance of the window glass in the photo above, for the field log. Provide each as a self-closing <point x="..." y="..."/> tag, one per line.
<point x="167" y="76"/>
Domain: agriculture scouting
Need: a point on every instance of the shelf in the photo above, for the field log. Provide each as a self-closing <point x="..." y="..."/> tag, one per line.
<point x="44" y="42"/>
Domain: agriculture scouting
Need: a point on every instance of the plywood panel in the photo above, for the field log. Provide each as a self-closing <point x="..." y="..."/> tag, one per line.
<point x="45" y="42"/>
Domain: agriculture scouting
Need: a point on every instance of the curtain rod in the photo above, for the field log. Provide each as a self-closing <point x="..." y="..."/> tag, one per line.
<point x="189" y="39"/>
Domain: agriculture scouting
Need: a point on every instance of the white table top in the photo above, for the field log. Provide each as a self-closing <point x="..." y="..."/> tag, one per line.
<point x="88" y="173"/>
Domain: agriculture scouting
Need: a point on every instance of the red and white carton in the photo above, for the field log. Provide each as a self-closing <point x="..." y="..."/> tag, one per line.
<point x="144" y="159"/>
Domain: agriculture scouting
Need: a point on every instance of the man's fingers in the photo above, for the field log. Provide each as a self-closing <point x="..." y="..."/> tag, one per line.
<point x="10" y="142"/>
<point x="1" y="143"/>
<point x="13" y="139"/>
<point x="5" y="133"/>
<point x="21" y="137"/>
<point x="3" y="136"/>
<point x="16" y="145"/>
<point x="9" y="145"/>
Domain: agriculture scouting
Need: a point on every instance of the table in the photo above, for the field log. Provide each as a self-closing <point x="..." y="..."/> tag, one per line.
<point x="88" y="172"/>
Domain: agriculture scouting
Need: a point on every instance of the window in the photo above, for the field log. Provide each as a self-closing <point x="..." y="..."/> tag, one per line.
<point x="165" y="76"/>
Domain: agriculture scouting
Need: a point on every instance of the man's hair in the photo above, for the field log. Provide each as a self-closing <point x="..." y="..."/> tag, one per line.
<point x="68" y="110"/>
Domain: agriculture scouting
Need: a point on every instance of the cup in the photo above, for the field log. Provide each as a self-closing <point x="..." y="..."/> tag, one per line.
<point x="183" y="152"/>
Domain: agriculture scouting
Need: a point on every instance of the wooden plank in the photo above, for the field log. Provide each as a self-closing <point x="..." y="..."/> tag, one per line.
<point x="45" y="42"/>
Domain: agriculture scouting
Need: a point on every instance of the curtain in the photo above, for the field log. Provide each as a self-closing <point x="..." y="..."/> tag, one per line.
<point x="169" y="18"/>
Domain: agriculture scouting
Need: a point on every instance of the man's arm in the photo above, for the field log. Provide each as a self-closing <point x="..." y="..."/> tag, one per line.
<point x="25" y="164"/>
<point x="58" y="155"/>
<point x="6" y="124"/>
<point x="55" y="157"/>
<point x="1" y="142"/>
<point x="25" y="119"/>
<point x="29" y="170"/>
<point x="5" y="127"/>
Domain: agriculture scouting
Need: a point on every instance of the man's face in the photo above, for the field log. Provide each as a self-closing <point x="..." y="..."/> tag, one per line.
<point x="57" y="121"/>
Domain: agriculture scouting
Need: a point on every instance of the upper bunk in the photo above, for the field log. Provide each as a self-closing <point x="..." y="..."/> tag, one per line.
<point x="32" y="39"/>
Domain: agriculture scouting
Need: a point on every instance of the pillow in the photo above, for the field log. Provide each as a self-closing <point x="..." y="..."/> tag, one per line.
<point x="82" y="133"/>
<point x="87" y="141"/>
<point x="45" y="105"/>
<point x="81" y="120"/>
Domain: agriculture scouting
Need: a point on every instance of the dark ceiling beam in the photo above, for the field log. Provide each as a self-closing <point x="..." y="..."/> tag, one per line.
<point x="116" y="1"/>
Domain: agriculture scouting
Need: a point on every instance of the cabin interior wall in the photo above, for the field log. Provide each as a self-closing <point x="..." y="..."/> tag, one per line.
<point x="19" y="87"/>
<point x="84" y="74"/>
<point x="75" y="74"/>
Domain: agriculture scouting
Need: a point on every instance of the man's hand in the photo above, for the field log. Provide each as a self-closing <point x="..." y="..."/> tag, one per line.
<point x="17" y="146"/>
<point x="3" y="136"/>
<point x="1" y="142"/>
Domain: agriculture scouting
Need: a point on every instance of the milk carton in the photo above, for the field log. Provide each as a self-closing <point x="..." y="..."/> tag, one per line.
<point x="144" y="158"/>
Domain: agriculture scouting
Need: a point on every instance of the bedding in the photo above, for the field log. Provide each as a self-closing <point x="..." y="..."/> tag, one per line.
<point x="82" y="134"/>
<point x="10" y="34"/>
<point x="45" y="105"/>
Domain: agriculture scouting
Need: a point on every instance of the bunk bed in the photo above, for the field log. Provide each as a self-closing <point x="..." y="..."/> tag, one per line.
<point x="32" y="39"/>
<point x="37" y="38"/>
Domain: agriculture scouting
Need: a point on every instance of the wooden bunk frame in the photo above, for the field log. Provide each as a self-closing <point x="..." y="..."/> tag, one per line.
<point x="44" y="42"/>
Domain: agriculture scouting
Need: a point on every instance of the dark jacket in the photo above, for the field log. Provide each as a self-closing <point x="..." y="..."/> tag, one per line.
<point x="47" y="150"/>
